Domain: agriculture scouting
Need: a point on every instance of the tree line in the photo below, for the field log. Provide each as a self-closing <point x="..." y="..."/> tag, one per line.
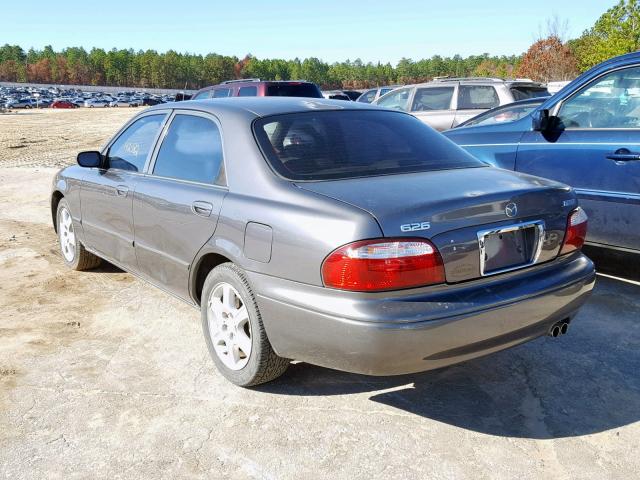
<point x="617" y="31"/>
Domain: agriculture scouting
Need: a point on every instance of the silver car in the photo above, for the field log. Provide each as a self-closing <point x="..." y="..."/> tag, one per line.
<point x="371" y="95"/>
<point x="331" y="232"/>
<point x="447" y="102"/>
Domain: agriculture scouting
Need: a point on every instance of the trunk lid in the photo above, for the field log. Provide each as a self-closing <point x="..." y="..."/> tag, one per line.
<point x="450" y="207"/>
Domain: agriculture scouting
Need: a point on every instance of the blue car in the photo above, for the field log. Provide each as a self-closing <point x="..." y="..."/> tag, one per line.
<point x="587" y="135"/>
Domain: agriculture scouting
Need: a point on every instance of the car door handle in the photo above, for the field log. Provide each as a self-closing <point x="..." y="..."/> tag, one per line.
<point x="203" y="209"/>
<point x="623" y="155"/>
<point x="122" y="190"/>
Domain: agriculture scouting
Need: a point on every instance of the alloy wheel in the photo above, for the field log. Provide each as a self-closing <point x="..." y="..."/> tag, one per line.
<point x="67" y="235"/>
<point x="229" y="326"/>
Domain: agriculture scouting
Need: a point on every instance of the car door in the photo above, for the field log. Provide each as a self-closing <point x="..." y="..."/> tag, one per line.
<point x="434" y="106"/>
<point x="176" y="206"/>
<point x="595" y="148"/>
<point x="473" y="100"/>
<point x="107" y="193"/>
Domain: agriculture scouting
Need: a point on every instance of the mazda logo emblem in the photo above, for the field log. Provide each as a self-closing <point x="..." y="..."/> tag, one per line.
<point x="511" y="209"/>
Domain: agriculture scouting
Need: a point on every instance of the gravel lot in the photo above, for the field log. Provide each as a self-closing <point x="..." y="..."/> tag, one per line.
<point x="103" y="376"/>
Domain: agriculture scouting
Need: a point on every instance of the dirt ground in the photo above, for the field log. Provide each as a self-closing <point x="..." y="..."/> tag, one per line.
<point x="52" y="138"/>
<point x="104" y="376"/>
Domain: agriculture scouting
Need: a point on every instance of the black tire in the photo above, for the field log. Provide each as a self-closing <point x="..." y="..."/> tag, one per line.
<point x="263" y="364"/>
<point x="82" y="259"/>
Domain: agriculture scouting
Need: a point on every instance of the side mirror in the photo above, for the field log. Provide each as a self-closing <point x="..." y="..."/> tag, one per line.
<point x="540" y="120"/>
<point x="90" y="159"/>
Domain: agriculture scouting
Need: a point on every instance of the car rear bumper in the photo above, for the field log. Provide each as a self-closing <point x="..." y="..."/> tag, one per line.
<point x="419" y="329"/>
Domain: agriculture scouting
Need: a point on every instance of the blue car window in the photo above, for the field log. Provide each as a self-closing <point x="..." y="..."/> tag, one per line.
<point x="191" y="150"/>
<point x="611" y="101"/>
<point x="502" y="115"/>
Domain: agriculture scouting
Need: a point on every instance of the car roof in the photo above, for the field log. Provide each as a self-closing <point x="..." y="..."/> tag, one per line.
<point x="252" y="82"/>
<point x="444" y="82"/>
<point x="265" y="106"/>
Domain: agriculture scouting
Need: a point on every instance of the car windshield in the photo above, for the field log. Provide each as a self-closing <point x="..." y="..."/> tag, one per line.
<point x="330" y="145"/>
<point x="506" y="114"/>
<point x="293" y="90"/>
<point x="522" y="92"/>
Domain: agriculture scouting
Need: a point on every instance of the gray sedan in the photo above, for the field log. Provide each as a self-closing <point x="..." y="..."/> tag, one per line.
<point x="340" y="234"/>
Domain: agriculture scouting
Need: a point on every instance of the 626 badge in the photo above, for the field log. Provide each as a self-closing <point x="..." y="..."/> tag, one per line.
<point x="415" y="227"/>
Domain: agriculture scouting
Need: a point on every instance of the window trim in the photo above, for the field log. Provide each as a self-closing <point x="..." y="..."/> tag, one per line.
<point x="555" y="109"/>
<point x="163" y="134"/>
<point x="105" y="151"/>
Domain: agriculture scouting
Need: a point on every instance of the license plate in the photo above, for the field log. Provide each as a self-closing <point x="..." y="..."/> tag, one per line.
<point x="511" y="247"/>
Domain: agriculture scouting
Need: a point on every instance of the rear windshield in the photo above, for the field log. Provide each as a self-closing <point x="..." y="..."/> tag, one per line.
<point x="522" y="92"/>
<point x="294" y="90"/>
<point x="328" y="145"/>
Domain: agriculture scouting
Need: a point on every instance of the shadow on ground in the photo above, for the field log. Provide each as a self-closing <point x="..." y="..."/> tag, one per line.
<point x="585" y="382"/>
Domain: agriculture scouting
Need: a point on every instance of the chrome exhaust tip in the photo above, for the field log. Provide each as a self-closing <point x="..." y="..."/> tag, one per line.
<point x="564" y="328"/>
<point x="555" y="331"/>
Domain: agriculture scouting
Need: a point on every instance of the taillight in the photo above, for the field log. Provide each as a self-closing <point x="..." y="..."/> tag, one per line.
<point x="576" y="231"/>
<point x="383" y="264"/>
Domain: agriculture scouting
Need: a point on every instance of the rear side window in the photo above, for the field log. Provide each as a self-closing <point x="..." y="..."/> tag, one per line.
<point x="191" y="150"/>
<point x="221" y="92"/>
<point x="477" y="97"/>
<point x="328" y="145"/>
<point x="130" y="150"/>
<point x="433" y="98"/>
<point x="301" y="89"/>
<point x="248" y="92"/>
<point x="522" y="93"/>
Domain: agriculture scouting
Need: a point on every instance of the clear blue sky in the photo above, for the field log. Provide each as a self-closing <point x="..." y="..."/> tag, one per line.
<point x="328" y="29"/>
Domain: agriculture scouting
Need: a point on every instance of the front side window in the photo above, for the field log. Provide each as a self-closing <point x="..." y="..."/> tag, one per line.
<point x="432" y="98"/>
<point x="398" y="100"/>
<point x="612" y="101"/>
<point x="248" y="91"/>
<point x="368" y="97"/>
<point x="221" y="92"/>
<point x="477" y="97"/>
<point x="327" y="145"/>
<point x="191" y="150"/>
<point x="130" y="150"/>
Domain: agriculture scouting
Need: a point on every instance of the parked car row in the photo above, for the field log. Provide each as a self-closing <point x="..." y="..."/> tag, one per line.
<point x="14" y="98"/>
